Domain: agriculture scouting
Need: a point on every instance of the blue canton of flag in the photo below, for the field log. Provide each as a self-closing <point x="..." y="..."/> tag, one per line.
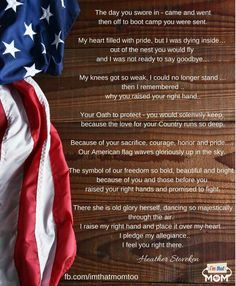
<point x="32" y="35"/>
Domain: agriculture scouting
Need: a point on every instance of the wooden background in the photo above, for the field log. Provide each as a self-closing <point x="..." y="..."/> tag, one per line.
<point x="100" y="252"/>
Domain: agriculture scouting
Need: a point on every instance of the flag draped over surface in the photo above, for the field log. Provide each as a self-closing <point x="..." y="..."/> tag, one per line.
<point x="37" y="242"/>
<point x="32" y="35"/>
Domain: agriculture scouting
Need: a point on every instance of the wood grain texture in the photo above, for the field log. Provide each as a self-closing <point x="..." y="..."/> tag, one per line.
<point x="72" y="95"/>
<point x="80" y="182"/>
<point x="101" y="251"/>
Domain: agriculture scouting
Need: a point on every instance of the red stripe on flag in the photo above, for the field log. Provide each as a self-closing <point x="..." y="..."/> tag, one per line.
<point x="62" y="211"/>
<point x="3" y="124"/>
<point x="26" y="255"/>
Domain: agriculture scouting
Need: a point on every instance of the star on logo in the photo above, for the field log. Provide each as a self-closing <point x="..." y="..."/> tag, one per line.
<point x="10" y="49"/>
<point x="31" y="71"/>
<point x="46" y="14"/>
<point x="29" y="31"/>
<point x="12" y="4"/>
<point x="57" y="40"/>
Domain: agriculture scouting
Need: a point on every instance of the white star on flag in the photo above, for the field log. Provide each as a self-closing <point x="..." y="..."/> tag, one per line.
<point x="29" y="31"/>
<point x="31" y="71"/>
<point x="57" y="40"/>
<point x="10" y="49"/>
<point x="12" y="4"/>
<point x="46" y="14"/>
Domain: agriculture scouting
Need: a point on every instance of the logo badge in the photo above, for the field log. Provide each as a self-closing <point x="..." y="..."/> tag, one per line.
<point x="217" y="272"/>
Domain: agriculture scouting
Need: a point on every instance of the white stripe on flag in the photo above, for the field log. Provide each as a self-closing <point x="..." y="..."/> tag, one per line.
<point x="45" y="229"/>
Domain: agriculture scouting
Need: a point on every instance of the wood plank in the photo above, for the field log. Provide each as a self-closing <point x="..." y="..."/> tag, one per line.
<point x="87" y="21"/>
<point x="68" y="95"/>
<point x="225" y="183"/>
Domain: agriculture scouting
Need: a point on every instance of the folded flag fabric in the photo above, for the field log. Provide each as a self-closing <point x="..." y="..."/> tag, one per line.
<point x="32" y="35"/>
<point x="37" y="242"/>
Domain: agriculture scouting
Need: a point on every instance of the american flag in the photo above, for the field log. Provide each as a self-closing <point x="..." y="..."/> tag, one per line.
<point x="37" y="241"/>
